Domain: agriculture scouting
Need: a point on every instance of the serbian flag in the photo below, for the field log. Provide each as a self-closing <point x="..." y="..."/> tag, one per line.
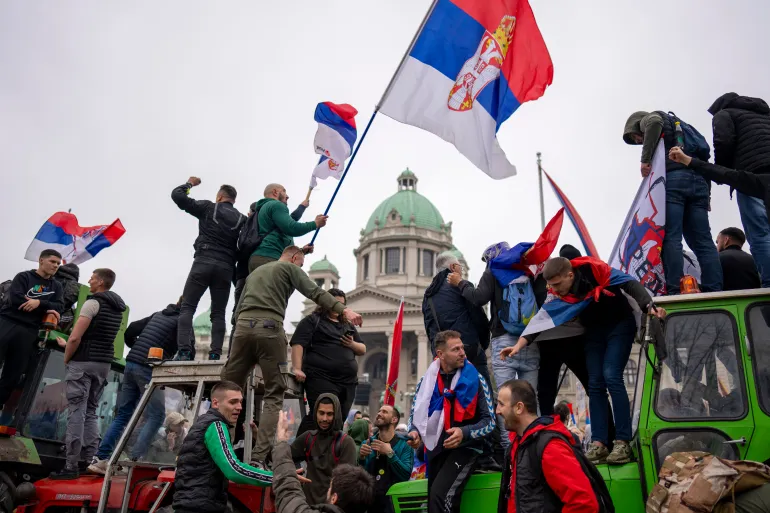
<point x="395" y="359"/>
<point x="559" y="309"/>
<point x="526" y="257"/>
<point x="334" y="139"/>
<point x="577" y="221"/>
<point x="75" y="243"/>
<point x="473" y="63"/>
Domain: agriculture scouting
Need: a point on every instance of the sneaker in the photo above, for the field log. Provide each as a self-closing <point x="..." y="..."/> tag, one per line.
<point x="213" y="356"/>
<point x="98" y="466"/>
<point x="621" y="453"/>
<point x="65" y="474"/>
<point x="183" y="356"/>
<point x="597" y="454"/>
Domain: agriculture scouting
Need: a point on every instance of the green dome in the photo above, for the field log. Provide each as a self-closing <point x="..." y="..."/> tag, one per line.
<point x="456" y="253"/>
<point x="202" y="323"/>
<point x="407" y="202"/>
<point x="324" y="265"/>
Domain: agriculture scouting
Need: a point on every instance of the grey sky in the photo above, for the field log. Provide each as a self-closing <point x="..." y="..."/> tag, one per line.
<point x="106" y="106"/>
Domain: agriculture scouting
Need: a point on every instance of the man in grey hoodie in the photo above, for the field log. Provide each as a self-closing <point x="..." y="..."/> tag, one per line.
<point x="688" y="197"/>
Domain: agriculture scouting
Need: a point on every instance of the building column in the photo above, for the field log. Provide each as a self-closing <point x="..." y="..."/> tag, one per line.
<point x="423" y="351"/>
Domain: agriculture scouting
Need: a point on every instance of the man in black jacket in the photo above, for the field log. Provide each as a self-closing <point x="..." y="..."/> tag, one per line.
<point x="88" y="354"/>
<point x="738" y="267"/>
<point x="31" y="296"/>
<point x="157" y="330"/>
<point x="742" y="141"/>
<point x="219" y="225"/>
<point x="68" y="276"/>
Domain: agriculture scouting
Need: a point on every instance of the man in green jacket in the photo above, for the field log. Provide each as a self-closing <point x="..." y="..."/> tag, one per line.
<point x="386" y="457"/>
<point x="260" y="337"/>
<point x="277" y="227"/>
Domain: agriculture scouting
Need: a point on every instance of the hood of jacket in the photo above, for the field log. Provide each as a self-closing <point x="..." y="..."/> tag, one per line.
<point x="111" y="298"/>
<point x="337" y="422"/>
<point x="736" y="101"/>
<point x="435" y="285"/>
<point x="68" y="272"/>
<point x="171" y="310"/>
<point x="633" y="126"/>
<point x="261" y="203"/>
<point x="359" y="431"/>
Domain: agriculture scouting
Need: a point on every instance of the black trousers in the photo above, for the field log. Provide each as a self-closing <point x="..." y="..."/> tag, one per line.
<point x="17" y="344"/>
<point x="216" y="278"/>
<point x="314" y="387"/>
<point x="554" y="354"/>
<point x="448" y="473"/>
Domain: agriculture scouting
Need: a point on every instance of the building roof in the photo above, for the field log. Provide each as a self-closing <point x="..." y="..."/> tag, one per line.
<point x="407" y="202"/>
<point x="324" y="265"/>
<point x="457" y="254"/>
<point x="202" y="323"/>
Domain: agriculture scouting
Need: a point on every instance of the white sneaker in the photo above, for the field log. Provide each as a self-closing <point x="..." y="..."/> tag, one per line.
<point x="98" y="466"/>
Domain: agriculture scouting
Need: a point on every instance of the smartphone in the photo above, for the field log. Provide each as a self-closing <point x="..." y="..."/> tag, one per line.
<point x="350" y="332"/>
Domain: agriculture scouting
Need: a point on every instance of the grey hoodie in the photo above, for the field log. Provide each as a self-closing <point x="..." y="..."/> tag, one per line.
<point x="648" y="125"/>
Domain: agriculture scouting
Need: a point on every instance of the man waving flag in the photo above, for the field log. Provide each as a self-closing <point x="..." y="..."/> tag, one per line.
<point x="473" y="63"/>
<point x="334" y="139"/>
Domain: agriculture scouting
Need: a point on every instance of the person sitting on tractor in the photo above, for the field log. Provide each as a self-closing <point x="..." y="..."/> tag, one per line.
<point x="351" y="489"/>
<point x="207" y="461"/>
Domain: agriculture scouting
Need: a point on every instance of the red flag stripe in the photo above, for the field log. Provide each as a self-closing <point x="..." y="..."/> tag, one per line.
<point x="395" y="358"/>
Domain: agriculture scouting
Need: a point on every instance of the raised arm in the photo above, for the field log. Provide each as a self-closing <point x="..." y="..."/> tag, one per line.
<point x="181" y="196"/>
<point x="288" y="226"/>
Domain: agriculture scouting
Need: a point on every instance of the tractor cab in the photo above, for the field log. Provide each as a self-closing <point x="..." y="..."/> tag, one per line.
<point x="140" y="472"/>
<point x="708" y="390"/>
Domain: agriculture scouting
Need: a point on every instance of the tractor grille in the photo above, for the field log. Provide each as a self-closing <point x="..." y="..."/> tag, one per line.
<point x="413" y="503"/>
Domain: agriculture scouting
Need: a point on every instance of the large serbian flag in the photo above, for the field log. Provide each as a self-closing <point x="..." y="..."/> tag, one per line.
<point x="75" y="243"/>
<point x="391" y="387"/>
<point x="577" y="221"/>
<point x="471" y="66"/>
<point x="334" y="139"/>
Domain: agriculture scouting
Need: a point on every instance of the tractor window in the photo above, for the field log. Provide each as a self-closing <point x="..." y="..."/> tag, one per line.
<point x="759" y="335"/>
<point x="163" y="425"/>
<point x="49" y="412"/>
<point x="702" y="376"/>
<point x="680" y="440"/>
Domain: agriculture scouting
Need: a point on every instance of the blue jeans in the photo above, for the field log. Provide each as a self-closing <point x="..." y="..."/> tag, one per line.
<point x="524" y="365"/>
<point x="607" y="351"/>
<point x="687" y="204"/>
<point x="754" y="219"/>
<point x="135" y="378"/>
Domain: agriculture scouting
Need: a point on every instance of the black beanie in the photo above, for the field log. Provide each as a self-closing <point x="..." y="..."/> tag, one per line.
<point x="569" y="252"/>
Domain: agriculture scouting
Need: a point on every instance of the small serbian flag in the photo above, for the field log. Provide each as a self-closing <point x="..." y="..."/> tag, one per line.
<point x="75" y="243"/>
<point x="334" y="139"/>
<point x="471" y="66"/>
<point x="577" y="221"/>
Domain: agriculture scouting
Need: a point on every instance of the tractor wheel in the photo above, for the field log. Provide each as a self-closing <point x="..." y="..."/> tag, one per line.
<point x="7" y="494"/>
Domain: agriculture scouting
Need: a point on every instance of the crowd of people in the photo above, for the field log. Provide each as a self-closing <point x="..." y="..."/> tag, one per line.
<point x="463" y="418"/>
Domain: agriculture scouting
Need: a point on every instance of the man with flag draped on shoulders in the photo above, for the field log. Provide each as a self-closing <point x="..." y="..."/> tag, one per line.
<point x="451" y="417"/>
<point x="605" y="301"/>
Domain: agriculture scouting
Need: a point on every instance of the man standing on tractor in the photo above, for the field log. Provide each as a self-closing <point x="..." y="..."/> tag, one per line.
<point x="31" y="296"/>
<point x="260" y="337"/>
<point x="219" y="225"/>
<point x="207" y="461"/>
<point x="88" y="354"/>
<point x="324" y="448"/>
<point x="545" y="470"/>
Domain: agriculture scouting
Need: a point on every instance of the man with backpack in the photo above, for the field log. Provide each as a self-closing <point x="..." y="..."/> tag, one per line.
<point x="219" y="225"/>
<point x="324" y="448"/>
<point x="688" y="195"/>
<point x="545" y="470"/>
<point x="275" y="228"/>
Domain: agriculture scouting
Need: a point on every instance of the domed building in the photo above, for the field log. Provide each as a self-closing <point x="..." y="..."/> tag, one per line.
<point x="202" y="330"/>
<point x="396" y="257"/>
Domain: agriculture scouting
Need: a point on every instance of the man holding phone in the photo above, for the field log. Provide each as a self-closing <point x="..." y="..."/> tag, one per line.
<point x="260" y="337"/>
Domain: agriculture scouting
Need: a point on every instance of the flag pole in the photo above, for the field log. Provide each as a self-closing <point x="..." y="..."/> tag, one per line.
<point x="540" y="184"/>
<point x="309" y="190"/>
<point x="377" y="109"/>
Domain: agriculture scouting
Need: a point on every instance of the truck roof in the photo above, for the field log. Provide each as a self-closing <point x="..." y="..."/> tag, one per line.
<point x="710" y="296"/>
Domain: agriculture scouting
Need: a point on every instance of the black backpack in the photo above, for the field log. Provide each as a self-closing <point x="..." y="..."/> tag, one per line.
<point x="597" y="481"/>
<point x="249" y="238"/>
<point x="5" y="296"/>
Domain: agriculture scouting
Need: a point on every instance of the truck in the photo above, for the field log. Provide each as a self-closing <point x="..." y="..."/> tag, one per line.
<point x="710" y="393"/>
<point x="33" y="421"/>
<point x="143" y="481"/>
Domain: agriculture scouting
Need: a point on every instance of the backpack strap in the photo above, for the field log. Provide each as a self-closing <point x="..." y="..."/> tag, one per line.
<point x="337" y="446"/>
<point x="309" y="449"/>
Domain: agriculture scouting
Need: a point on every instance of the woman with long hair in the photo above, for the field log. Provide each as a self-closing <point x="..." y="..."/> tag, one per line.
<point x="323" y="355"/>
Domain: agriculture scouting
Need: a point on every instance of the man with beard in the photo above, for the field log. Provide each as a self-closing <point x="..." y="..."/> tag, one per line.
<point x="323" y="448"/>
<point x="386" y="456"/>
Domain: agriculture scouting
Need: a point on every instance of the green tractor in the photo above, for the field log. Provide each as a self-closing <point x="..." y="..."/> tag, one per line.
<point x="711" y="393"/>
<point x="33" y="421"/>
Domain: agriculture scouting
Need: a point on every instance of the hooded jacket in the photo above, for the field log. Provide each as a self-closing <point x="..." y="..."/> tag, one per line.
<point x="289" y="497"/>
<point x="652" y="126"/>
<point x="97" y="343"/>
<point x="454" y="312"/>
<point x="320" y="446"/>
<point x="741" y="133"/>
<point x="561" y="486"/>
<point x="29" y="284"/>
<point x="68" y="276"/>
<point x="278" y="228"/>
<point x="157" y="330"/>
<point x="219" y="225"/>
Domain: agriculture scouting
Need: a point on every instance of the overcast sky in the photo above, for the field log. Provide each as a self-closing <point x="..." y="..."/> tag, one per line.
<point x="106" y="106"/>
